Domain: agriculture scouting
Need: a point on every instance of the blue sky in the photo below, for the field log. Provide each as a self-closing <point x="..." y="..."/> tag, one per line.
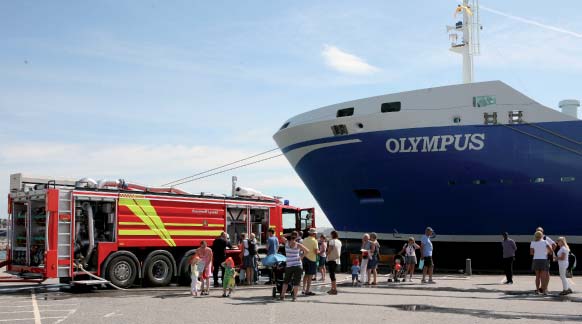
<point x="152" y="91"/>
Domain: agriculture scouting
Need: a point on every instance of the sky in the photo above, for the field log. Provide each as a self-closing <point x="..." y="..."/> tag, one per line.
<point x="152" y="91"/>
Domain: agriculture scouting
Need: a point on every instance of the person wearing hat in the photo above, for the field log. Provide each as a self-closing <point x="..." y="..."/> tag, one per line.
<point x="426" y="255"/>
<point x="309" y="261"/>
<point x="509" y="249"/>
<point x="228" y="281"/>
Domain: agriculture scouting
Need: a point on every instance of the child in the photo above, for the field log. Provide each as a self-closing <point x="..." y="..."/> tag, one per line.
<point x="397" y="268"/>
<point x="229" y="273"/>
<point x="563" y="253"/>
<point x="355" y="271"/>
<point x="194" y="274"/>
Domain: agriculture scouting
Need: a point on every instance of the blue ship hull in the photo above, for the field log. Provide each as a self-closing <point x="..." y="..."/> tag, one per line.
<point x="524" y="176"/>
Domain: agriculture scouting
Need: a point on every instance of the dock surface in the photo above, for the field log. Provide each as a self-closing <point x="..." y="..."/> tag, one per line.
<point x="453" y="299"/>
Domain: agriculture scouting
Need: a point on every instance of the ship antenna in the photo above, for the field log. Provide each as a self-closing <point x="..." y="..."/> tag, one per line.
<point x="464" y="36"/>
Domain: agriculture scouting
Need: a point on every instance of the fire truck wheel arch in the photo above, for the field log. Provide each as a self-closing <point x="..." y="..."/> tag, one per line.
<point x="159" y="255"/>
<point x="122" y="253"/>
<point x="184" y="275"/>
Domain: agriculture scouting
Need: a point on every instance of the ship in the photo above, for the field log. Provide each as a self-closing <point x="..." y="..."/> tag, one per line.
<point x="470" y="160"/>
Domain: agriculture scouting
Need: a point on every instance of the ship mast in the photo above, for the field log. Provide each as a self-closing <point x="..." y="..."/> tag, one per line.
<point x="464" y="36"/>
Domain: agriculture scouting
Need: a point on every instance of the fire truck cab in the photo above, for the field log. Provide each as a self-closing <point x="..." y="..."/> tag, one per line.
<point x="127" y="233"/>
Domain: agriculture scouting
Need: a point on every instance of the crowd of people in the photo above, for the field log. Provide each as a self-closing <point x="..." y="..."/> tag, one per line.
<point x="307" y="257"/>
<point x="544" y="251"/>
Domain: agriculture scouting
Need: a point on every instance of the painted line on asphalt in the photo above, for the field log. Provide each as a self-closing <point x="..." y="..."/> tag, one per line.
<point x="35" y="310"/>
<point x="30" y="319"/>
<point x="15" y="302"/>
<point x="42" y="311"/>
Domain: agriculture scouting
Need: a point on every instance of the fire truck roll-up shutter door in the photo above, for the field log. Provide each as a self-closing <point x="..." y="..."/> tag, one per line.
<point x="93" y="198"/>
<point x="247" y="206"/>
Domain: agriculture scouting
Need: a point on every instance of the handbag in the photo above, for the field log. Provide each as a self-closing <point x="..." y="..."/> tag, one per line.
<point x="421" y="264"/>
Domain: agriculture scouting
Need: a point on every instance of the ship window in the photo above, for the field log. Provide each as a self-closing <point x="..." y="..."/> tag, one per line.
<point x="484" y="101"/>
<point x="390" y="107"/>
<point x="479" y="182"/>
<point x="506" y="181"/>
<point x="285" y="125"/>
<point x="567" y="179"/>
<point x="537" y="180"/>
<point x="339" y="130"/>
<point x="369" y="196"/>
<point x="345" y="112"/>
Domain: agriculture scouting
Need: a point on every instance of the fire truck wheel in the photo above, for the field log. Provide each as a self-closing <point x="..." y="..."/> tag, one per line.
<point x="159" y="270"/>
<point x="121" y="271"/>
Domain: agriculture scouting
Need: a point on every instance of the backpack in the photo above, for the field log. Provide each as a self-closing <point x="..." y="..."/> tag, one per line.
<point x="252" y="247"/>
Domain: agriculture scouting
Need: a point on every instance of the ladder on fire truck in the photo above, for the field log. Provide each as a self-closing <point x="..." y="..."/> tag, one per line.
<point x="65" y="227"/>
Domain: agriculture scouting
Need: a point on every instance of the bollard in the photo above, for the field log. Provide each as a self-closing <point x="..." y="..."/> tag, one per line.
<point x="468" y="270"/>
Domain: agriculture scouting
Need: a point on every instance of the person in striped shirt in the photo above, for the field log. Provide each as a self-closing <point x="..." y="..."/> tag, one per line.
<point x="293" y="268"/>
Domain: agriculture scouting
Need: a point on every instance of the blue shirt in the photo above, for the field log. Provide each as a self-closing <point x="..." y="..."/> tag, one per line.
<point x="355" y="269"/>
<point x="272" y="245"/>
<point x="426" y="246"/>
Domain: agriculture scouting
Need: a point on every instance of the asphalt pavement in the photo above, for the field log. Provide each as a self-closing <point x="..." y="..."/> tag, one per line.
<point x="453" y="299"/>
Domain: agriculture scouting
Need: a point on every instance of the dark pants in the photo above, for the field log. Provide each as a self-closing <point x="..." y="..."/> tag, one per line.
<point x="218" y="265"/>
<point x="508" y="268"/>
<point x="331" y="268"/>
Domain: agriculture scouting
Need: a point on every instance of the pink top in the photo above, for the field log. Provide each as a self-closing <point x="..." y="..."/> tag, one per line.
<point x="205" y="256"/>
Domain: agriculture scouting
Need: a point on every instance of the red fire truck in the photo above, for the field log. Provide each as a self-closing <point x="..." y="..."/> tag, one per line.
<point x="127" y="233"/>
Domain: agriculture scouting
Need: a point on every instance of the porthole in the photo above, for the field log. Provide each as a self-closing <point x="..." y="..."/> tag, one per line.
<point x="456" y="119"/>
<point x="537" y="180"/>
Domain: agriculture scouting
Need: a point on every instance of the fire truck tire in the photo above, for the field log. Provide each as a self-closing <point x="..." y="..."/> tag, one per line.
<point x="121" y="271"/>
<point x="159" y="270"/>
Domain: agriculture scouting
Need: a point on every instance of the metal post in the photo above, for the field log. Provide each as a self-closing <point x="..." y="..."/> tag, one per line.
<point x="468" y="270"/>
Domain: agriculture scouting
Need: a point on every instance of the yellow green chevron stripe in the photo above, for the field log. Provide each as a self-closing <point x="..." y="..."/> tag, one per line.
<point x="143" y="209"/>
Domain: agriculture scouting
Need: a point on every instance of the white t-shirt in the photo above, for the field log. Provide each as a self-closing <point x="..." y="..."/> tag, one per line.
<point x="540" y="249"/>
<point x="549" y="240"/>
<point x="562" y="251"/>
<point x="335" y="250"/>
<point x="410" y="249"/>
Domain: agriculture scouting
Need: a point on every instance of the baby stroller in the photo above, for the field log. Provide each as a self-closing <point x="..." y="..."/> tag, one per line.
<point x="398" y="269"/>
<point x="278" y="277"/>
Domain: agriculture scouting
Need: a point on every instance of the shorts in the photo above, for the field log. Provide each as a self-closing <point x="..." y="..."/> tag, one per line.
<point x="204" y="271"/>
<point x="249" y="261"/>
<point x="309" y="266"/>
<point x="332" y="267"/>
<point x="322" y="261"/>
<point x="428" y="262"/>
<point x="411" y="259"/>
<point x="540" y="265"/>
<point x="354" y="276"/>
<point x="293" y="274"/>
<point x="372" y="263"/>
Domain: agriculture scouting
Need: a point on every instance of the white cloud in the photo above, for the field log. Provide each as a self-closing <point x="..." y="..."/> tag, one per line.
<point x="345" y="62"/>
